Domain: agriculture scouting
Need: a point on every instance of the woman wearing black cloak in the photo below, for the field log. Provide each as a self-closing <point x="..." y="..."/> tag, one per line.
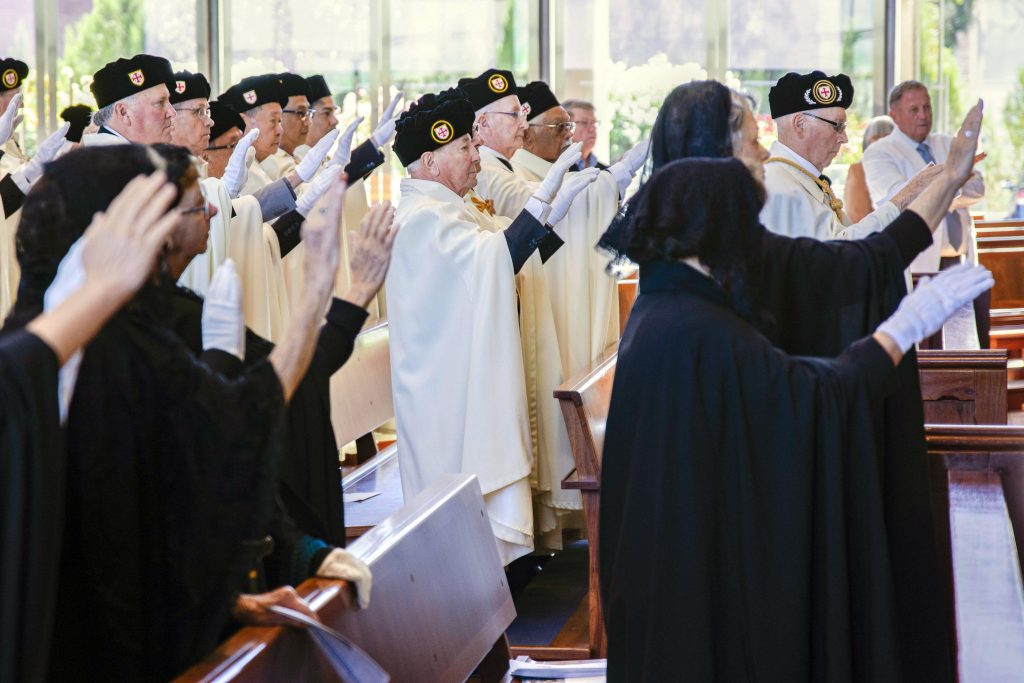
<point x="807" y="298"/>
<point x="172" y="468"/>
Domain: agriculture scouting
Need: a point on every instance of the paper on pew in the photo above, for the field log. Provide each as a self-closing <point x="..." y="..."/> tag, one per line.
<point x="583" y="671"/>
<point x="358" y="496"/>
<point x="350" y="663"/>
<point x="960" y="332"/>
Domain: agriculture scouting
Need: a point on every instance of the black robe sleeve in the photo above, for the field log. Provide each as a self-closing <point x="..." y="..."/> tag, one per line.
<point x="31" y="504"/>
<point x="11" y="195"/>
<point x="289" y="231"/>
<point x="365" y="158"/>
<point x="527" y="234"/>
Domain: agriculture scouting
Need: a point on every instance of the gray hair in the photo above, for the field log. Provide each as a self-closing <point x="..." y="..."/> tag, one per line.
<point x="901" y="89"/>
<point x="879" y="127"/>
<point x="741" y="104"/>
<point x="578" y="104"/>
<point x="102" y="117"/>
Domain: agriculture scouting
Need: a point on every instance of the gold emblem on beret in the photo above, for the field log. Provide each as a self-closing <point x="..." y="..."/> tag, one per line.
<point x="137" y="77"/>
<point x="249" y="96"/>
<point x="497" y="83"/>
<point x="10" y="78"/>
<point x="824" y="92"/>
<point x="179" y="87"/>
<point x="442" y="132"/>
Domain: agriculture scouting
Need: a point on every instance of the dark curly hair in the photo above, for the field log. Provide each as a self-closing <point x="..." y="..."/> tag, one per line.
<point x="61" y="205"/>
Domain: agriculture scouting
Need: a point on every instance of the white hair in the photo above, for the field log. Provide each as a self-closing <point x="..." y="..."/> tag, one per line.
<point x="102" y="116"/>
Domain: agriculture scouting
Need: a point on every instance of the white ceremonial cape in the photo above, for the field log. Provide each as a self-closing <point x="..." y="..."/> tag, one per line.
<point x="12" y="158"/>
<point x="456" y="359"/>
<point x="257" y="178"/>
<point x="253" y="246"/>
<point x="200" y="271"/>
<point x="797" y="205"/>
<point x="278" y="165"/>
<point x="10" y="271"/>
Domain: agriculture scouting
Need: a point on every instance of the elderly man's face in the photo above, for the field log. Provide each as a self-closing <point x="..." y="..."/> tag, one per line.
<point x="189" y="237"/>
<point x="913" y="114"/>
<point x="456" y="165"/>
<point x="586" y="129"/>
<point x="192" y="124"/>
<point x="748" y="148"/>
<point x="548" y="134"/>
<point x="6" y="97"/>
<point x="295" y="123"/>
<point x="148" y="119"/>
<point x="822" y="140"/>
<point x="325" y="119"/>
<point x="266" y="117"/>
<point x="503" y="128"/>
<point x="219" y="151"/>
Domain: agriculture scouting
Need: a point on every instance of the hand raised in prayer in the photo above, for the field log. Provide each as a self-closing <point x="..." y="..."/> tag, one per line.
<point x="325" y="180"/>
<point x="371" y="253"/>
<point x="223" y="323"/>
<point x="254" y="609"/>
<point x="237" y="169"/>
<point x="314" y="158"/>
<point x="385" y="128"/>
<point x="321" y="235"/>
<point x="343" y="154"/>
<point x="553" y="180"/>
<point x="916" y="185"/>
<point x="572" y="187"/>
<point x="632" y="161"/>
<point x="11" y="118"/>
<point x="32" y="170"/>
<point x="961" y="159"/>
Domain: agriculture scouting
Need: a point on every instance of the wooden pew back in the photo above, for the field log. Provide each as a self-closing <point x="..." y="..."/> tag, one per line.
<point x="440" y="602"/>
<point x="361" y="389"/>
<point x="1003" y="254"/>
<point x="963" y="387"/>
<point x="584" y="399"/>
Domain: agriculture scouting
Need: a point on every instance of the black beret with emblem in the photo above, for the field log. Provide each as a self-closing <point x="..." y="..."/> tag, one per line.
<point x="224" y="119"/>
<point x="537" y="98"/>
<point x="188" y="86"/>
<point x="12" y="73"/>
<point x="79" y="116"/>
<point x="803" y="92"/>
<point x="431" y="122"/>
<point x="254" y="91"/>
<point x="293" y="85"/>
<point x="318" y="88"/>
<point x="125" y="77"/>
<point x="490" y="86"/>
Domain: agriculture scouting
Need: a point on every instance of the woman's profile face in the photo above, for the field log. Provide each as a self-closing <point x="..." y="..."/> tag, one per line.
<point x="749" y="149"/>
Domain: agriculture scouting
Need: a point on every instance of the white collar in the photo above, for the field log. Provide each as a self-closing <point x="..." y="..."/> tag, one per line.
<point x="110" y="130"/>
<point x="492" y="152"/>
<point x="904" y="139"/>
<point x="780" y="150"/>
<point x="531" y="161"/>
<point x="429" y="188"/>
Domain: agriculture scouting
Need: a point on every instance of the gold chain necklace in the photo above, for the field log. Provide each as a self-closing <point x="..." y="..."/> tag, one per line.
<point x="834" y="202"/>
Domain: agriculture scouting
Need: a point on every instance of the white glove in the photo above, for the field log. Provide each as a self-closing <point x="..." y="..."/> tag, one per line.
<point x="32" y="170"/>
<point x="385" y="128"/>
<point x="314" y="158"/>
<point x="624" y="170"/>
<point x="343" y="154"/>
<point x="341" y="564"/>
<point x="11" y="118"/>
<point x="923" y="311"/>
<point x="308" y="199"/>
<point x="237" y="170"/>
<point x="223" y="323"/>
<point x="577" y="183"/>
<point x="70" y="277"/>
<point x="553" y="180"/>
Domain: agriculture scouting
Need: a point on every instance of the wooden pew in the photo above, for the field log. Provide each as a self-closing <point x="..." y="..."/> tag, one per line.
<point x="1004" y="256"/>
<point x="963" y="387"/>
<point x="627" y="295"/>
<point x="439" y="607"/>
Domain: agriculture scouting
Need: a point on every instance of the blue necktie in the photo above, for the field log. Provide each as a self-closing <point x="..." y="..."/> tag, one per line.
<point x="926" y="153"/>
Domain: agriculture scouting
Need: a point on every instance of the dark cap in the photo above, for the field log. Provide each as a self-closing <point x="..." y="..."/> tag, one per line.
<point x="490" y="86"/>
<point x="188" y="86"/>
<point x="431" y="122"/>
<point x="124" y="77"/>
<point x="804" y="92"/>
<point x="224" y="119"/>
<point x="12" y="73"/>
<point x="537" y="98"/>
<point x="318" y="88"/>
<point x="79" y="116"/>
<point x="254" y="91"/>
<point x="293" y="85"/>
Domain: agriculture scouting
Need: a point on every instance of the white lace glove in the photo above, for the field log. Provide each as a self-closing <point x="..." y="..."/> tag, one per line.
<point x="237" y="170"/>
<point x="624" y="170"/>
<point x="923" y="311"/>
<point x="308" y="199"/>
<point x="553" y="180"/>
<point x="32" y="170"/>
<point x="343" y="154"/>
<point x="385" y="129"/>
<point x="570" y="188"/>
<point x="341" y="564"/>
<point x="11" y="119"/>
<point x="314" y="158"/>
<point x="223" y="323"/>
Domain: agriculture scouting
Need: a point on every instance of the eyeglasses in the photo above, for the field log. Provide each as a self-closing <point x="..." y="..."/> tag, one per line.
<point x="301" y="113"/>
<point x="569" y="126"/>
<point x="198" y="112"/>
<point x="204" y="207"/>
<point x="521" y="114"/>
<point x="214" y="148"/>
<point x="837" y="126"/>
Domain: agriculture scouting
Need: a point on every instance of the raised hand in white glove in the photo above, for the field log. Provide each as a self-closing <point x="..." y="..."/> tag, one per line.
<point x="923" y="311"/>
<point x="343" y="154"/>
<point x="11" y="118"/>
<point x="237" y="170"/>
<point x="576" y="183"/>
<point x="341" y="564"/>
<point x="385" y="128"/>
<point x="553" y="180"/>
<point x="314" y="158"/>
<point x="624" y="170"/>
<point x="328" y="177"/>
<point x="223" y="323"/>
<point x="32" y="170"/>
